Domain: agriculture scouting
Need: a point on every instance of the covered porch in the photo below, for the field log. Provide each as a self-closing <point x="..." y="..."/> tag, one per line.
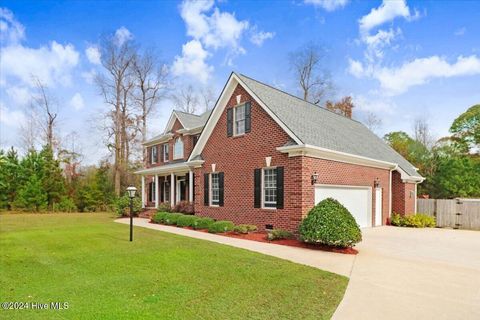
<point x="168" y="184"/>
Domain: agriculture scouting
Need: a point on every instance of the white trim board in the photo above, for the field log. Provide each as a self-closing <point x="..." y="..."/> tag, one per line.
<point x="220" y="106"/>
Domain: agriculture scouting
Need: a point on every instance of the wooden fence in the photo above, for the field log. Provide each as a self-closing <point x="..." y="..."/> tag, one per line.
<point x="452" y="213"/>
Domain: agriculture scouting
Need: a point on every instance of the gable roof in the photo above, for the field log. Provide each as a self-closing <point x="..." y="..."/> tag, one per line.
<point x="187" y="120"/>
<point x="309" y="124"/>
<point x="320" y="127"/>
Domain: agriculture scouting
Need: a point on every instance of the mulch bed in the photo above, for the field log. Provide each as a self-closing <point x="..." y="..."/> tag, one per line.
<point x="262" y="237"/>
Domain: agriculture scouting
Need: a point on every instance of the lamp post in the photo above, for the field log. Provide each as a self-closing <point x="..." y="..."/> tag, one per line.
<point x="131" y="194"/>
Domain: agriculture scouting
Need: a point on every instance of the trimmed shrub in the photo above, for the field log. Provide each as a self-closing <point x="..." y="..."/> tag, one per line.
<point x="164" y="207"/>
<point x="203" y="223"/>
<point x="122" y="206"/>
<point x="245" y="228"/>
<point x="330" y="223"/>
<point x="186" y="221"/>
<point x="184" y="207"/>
<point x="172" y="218"/>
<point x="160" y="217"/>
<point x="418" y="220"/>
<point x="66" y="204"/>
<point x="221" y="226"/>
<point x="279" y="234"/>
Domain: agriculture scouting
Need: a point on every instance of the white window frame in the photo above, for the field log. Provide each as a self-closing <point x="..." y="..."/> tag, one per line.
<point x="271" y="205"/>
<point x="165" y="152"/>
<point x="210" y="186"/>
<point x="235" y="120"/>
<point x="153" y="159"/>
<point x="175" y="151"/>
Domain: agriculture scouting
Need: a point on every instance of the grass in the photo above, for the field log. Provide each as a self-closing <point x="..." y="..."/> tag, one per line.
<point x="87" y="261"/>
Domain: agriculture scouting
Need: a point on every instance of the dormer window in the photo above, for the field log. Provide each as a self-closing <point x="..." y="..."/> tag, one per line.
<point x="178" y="149"/>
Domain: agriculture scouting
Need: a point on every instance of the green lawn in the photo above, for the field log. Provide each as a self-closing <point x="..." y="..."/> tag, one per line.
<point x="87" y="261"/>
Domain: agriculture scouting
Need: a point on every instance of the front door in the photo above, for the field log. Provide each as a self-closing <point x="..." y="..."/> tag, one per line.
<point x="181" y="189"/>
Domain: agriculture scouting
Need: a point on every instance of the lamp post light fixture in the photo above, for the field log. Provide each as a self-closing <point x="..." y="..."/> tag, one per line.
<point x="376" y="183"/>
<point x="314" y="177"/>
<point x="131" y="194"/>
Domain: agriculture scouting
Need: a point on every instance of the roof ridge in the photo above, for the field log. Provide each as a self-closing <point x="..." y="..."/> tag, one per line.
<point x="298" y="98"/>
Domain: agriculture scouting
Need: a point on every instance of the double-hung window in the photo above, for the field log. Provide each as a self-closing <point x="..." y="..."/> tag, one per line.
<point x="215" y="189"/>
<point x="269" y="187"/>
<point x="153" y="154"/>
<point x="178" y="149"/>
<point x="165" y="152"/>
<point x="239" y="120"/>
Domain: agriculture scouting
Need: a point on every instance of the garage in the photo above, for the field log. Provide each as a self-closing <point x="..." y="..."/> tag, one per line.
<point x="358" y="200"/>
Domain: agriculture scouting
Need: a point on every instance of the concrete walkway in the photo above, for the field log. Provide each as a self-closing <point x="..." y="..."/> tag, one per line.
<point x="400" y="273"/>
<point x="333" y="262"/>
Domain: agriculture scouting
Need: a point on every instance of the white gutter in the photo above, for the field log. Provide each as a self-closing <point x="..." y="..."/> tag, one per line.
<point x="169" y="168"/>
<point x="163" y="138"/>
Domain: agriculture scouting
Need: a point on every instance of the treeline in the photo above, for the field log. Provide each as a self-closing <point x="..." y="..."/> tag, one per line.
<point x="39" y="182"/>
<point x="451" y="165"/>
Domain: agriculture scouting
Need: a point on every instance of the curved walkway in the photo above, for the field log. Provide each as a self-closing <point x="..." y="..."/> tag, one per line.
<point x="400" y="273"/>
<point x="333" y="262"/>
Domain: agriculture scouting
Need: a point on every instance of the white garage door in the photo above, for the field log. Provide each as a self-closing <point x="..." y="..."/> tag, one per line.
<point x="356" y="199"/>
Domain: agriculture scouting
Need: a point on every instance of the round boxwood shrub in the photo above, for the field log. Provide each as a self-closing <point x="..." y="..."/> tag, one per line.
<point x="203" y="223"/>
<point x="330" y="223"/>
<point x="171" y="218"/>
<point x="221" y="226"/>
<point x="186" y="221"/>
<point x="160" y="217"/>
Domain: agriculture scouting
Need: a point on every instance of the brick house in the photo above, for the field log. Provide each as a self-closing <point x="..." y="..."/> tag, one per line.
<point x="265" y="157"/>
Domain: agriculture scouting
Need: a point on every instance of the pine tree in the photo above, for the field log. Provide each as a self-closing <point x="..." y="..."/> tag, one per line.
<point x="31" y="196"/>
<point x="53" y="182"/>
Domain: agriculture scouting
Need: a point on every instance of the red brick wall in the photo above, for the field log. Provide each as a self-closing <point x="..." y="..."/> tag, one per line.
<point x="237" y="157"/>
<point x="339" y="173"/>
<point x="404" y="197"/>
<point x="187" y="147"/>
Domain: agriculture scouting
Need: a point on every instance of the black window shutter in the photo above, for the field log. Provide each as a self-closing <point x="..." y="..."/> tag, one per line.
<point x="205" y="189"/>
<point x="220" y="189"/>
<point x="279" y="187"/>
<point x="248" y="117"/>
<point x="149" y="156"/>
<point x="257" y="202"/>
<point x="156" y="154"/>
<point x="229" y="122"/>
<point x="160" y="149"/>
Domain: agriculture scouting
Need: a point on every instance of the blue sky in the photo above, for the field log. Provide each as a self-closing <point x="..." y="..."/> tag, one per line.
<point x="398" y="60"/>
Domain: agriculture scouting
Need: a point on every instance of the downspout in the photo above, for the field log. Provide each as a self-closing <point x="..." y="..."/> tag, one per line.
<point x="390" y="192"/>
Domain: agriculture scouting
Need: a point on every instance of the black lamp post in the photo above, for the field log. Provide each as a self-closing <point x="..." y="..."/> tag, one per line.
<point x="131" y="194"/>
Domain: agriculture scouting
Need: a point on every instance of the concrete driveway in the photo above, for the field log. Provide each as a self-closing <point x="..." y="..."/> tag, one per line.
<point x="404" y="273"/>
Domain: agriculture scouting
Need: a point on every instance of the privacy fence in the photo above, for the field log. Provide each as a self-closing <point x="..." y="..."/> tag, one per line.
<point x="452" y="213"/>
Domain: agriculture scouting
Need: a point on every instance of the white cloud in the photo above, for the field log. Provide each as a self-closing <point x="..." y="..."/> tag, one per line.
<point x="20" y="96"/>
<point x="122" y="35"/>
<point x="11" y="118"/>
<point x="377" y="42"/>
<point x="417" y="72"/>
<point x="388" y="11"/>
<point x="460" y="32"/>
<point x="329" y="5"/>
<point x="258" y="38"/>
<point x="11" y="31"/>
<point x="89" y="76"/>
<point x="192" y="62"/>
<point x="52" y="64"/>
<point x="373" y="103"/>
<point x="211" y="30"/>
<point x="77" y="101"/>
<point x="93" y="54"/>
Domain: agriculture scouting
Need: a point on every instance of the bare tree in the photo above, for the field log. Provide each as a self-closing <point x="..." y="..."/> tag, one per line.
<point x="150" y="86"/>
<point x="115" y="84"/>
<point x="372" y="122"/>
<point x="185" y="99"/>
<point x="47" y="107"/>
<point x="29" y="129"/>
<point x="421" y="131"/>
<point x="308" y="66"/>
<point x="208" y="98"/>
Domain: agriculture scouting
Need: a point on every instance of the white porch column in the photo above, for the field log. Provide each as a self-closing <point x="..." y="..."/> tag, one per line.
<point x="172" y="189"/>
<point x="143" y="191"/>
<point x="190" y="185"/>
<point x="157" y="193"/>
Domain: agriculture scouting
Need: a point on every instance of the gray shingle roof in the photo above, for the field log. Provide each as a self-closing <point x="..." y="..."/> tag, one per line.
<point x="320" y="127"/>
<point x="191" y="121"/>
